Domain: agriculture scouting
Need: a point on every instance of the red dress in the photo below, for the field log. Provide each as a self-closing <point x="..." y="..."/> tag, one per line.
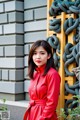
<point x="44" y="93"/>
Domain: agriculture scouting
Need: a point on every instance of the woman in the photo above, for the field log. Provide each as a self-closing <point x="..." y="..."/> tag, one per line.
<point x="45" y="83"/>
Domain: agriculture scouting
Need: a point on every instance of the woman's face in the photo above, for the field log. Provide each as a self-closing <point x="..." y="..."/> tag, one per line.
<point x="40" y="56"/>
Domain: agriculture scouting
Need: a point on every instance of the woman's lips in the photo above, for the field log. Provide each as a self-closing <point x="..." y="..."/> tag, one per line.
<point x="38" y="61"/>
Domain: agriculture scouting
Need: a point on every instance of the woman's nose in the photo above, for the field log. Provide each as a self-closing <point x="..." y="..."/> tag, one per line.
<point x="38" y="56"/>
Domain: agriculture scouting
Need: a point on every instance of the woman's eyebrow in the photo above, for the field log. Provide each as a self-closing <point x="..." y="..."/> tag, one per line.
<point x="39" y="51"/>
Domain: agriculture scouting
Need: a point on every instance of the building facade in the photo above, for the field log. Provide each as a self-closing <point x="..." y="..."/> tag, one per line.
<point x="22" y="22"/>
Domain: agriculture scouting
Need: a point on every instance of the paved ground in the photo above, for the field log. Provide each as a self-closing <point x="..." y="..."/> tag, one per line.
<point x="17" y="109"/>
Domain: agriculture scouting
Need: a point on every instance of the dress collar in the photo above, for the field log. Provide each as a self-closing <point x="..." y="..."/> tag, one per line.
<point x="41" y="68"/>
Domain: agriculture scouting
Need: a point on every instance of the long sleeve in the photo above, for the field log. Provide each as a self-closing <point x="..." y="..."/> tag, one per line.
<point x="53" y="83"/>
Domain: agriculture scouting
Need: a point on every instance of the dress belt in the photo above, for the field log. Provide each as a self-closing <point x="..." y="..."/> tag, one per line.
<point x="32" y="103"/>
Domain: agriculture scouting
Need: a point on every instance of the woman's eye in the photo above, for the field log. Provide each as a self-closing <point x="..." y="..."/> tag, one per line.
<point x="42" y="53"/>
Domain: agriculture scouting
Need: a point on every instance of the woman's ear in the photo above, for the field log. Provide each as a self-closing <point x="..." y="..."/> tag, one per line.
<point x="49" y="55"/>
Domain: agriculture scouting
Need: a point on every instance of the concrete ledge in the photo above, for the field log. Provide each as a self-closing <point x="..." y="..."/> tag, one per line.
<point x="12" y="97"/>
<point x="22" y="103"/>
<point x="17" y="109"/>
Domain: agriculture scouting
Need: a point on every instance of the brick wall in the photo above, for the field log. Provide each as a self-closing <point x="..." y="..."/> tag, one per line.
<point x="21" y="23"/>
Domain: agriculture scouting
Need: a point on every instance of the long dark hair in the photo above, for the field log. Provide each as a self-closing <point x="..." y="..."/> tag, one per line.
<point x="31" y="64"/>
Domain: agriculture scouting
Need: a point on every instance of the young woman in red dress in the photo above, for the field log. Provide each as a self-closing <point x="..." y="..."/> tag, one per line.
<point x="45" y="83"/>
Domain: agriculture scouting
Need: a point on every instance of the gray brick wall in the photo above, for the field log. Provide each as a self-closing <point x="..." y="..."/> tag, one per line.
<point x="11" y="49"/>
<point x="22" y="22"/>
<point x="37" y="3"/>
<point x="1" y="8"/>
<point x="35" y="15"/>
